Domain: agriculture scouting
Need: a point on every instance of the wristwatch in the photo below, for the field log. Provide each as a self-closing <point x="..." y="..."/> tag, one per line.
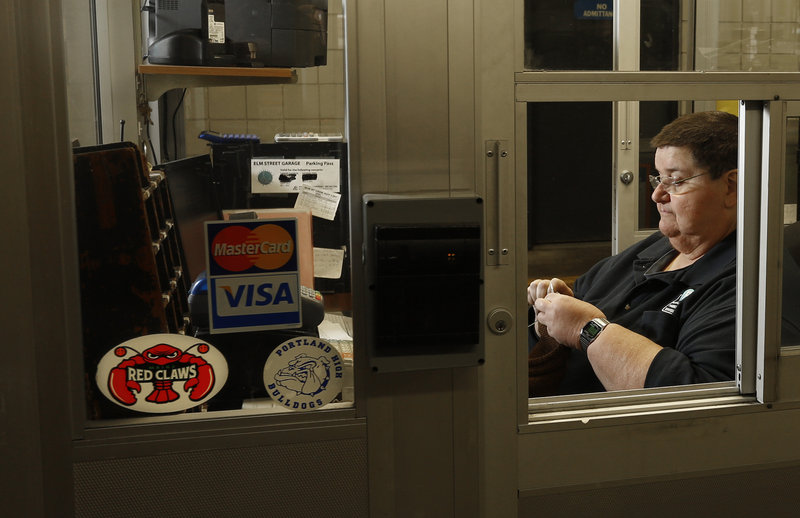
<point x="591" y="331"/>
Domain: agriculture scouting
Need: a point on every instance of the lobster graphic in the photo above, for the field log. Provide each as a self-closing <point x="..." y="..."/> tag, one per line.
<point x="161" y="365"/>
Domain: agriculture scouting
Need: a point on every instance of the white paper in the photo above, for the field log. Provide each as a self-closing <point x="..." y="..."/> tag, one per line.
<point x="328" y="262"/>
<point x="789" y="213"/>
<point x="332" y="331"/>
<point x="344" y="321"/>
<point x="321" y="202"/>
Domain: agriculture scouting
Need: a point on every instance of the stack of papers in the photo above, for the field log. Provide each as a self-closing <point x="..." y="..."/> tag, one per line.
<point x="337" y="330"/>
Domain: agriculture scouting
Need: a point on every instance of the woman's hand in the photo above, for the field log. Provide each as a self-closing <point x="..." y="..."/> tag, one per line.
<point x="564" y="317"/>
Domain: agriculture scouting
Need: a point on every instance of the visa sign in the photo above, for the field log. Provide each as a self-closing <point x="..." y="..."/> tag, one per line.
<point x="252" y="294"/>
<point x="253" y="277"/>
<point x="254" y="302"/>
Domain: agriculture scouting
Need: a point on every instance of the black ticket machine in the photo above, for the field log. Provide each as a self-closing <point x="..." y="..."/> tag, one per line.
<point x="424" y="277"/>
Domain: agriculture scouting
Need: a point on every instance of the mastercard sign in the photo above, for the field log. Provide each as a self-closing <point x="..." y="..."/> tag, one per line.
<point x="253" y="277"/>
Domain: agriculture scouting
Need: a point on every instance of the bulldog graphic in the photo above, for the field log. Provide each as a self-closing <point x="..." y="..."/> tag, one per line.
<point x="305" y="375"/>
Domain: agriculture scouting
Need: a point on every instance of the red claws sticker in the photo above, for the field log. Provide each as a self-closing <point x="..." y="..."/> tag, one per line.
<point x="161" y="373"/>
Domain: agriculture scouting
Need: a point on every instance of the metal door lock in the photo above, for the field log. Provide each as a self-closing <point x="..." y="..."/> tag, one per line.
<point x="626" y="177"/>
<point x="499" y="321"/>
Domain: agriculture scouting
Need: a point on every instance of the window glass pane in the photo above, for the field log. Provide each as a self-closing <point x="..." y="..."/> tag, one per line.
<point x="660" y="45"/>
<point x="555" y="168"/>
<point x="204" y="294"/>
<point x="651" y="290"/>
<point x="724" y="35"/>
<point x="277" y="268"/>
<point x="790" y="331"/>
<point x="568" y="35"/>
<point x="578" y="34"/>
<point x="747" y="36"/>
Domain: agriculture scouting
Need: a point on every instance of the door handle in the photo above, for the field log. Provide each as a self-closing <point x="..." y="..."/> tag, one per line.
<point x="499" y="197"/>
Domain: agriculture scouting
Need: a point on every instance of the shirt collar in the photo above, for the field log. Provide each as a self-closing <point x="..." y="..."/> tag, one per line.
<point x="721" y="255"/>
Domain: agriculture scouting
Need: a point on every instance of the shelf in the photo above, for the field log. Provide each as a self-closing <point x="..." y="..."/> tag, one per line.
<point x="159" y="79"/>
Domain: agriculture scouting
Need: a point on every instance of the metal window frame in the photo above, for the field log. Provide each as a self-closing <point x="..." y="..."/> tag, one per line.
<point x="763" y="98"/>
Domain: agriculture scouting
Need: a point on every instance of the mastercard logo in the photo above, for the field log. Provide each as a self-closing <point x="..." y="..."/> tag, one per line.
<point x="237" y="248"/>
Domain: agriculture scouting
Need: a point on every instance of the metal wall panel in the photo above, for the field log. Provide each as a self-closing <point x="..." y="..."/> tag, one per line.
<point x="38" y="265"/>
<point x="412" y="129"/>
<point x="414" y="96"/>
<point x="771" y="492"/>
<point x="321" y="478"/>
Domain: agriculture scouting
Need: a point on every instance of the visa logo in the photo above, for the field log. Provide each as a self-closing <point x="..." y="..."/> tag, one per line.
<point x="265" y="294"/>
<point x="254" y="296"/>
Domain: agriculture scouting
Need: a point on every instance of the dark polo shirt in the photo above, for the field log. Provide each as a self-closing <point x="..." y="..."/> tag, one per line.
<point x="691" y="312"/>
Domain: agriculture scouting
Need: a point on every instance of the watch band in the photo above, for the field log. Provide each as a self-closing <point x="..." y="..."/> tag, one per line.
<point x="591" y="331"/>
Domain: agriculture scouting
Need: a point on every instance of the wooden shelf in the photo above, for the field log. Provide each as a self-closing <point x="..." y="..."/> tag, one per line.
<point x="159" y="79"/>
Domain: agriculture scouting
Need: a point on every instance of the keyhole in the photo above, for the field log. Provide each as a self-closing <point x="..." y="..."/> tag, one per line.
<point x="626" y="177"/>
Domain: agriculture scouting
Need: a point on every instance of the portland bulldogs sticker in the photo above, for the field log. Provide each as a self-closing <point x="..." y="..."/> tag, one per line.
<point x="304" y="373"/>
<point x="161" y="373"/>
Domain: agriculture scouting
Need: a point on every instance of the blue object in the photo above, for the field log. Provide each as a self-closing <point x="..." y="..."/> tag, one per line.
<point x="228" y="138"/>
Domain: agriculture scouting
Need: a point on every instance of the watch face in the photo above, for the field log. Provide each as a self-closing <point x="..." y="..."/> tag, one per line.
<point x="590" y="331"/>
<point x="593" y="329"/>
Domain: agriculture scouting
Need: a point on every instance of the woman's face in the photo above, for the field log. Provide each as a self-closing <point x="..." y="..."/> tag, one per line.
<point x="702" y="210"/>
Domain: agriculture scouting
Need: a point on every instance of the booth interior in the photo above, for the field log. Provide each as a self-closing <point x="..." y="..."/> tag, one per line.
<point x="144" y="255"/>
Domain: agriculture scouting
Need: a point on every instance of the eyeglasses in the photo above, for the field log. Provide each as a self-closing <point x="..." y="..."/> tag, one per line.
<point x="669" y="183"/>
